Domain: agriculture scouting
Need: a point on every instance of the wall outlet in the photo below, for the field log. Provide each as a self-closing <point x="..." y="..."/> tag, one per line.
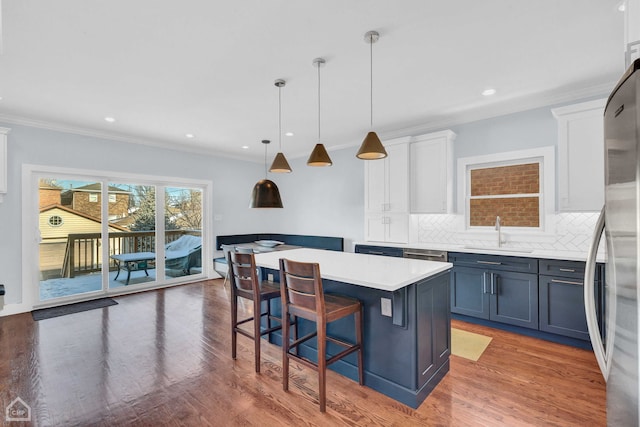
<point x="385" y="307"/>
<point x="270" y="277"/>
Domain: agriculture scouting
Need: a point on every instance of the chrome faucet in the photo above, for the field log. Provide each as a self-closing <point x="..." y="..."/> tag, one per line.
<point x="498" y="228"/>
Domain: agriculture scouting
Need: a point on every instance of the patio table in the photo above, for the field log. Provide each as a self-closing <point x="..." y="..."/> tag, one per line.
<point x="132" y="262"/>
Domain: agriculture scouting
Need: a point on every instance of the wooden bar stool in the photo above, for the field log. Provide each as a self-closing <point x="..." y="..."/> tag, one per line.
<point x="302" y="296"/>
<point x="245" y="283"/>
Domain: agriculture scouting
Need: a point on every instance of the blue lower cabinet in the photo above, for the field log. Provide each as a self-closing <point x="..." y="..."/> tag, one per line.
<point x="468" y="292"/>
<point x="562" y="309"/>
<point x="483" y="286"/>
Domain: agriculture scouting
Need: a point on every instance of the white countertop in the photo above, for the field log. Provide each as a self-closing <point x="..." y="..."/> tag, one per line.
<point x="371" y="271"/>
<point x="505" y="250"/>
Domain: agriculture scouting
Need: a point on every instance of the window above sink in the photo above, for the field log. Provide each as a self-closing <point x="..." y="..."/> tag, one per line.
<point x="517" y="186"/>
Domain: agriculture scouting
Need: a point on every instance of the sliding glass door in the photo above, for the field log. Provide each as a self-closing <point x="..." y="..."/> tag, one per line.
<point x="100" y="235"/>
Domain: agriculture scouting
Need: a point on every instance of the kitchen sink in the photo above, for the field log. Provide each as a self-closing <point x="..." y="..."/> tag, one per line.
<point x="501" y="249"/>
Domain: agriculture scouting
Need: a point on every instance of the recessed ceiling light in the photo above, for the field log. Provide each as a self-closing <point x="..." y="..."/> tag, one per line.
<point x="488" y="92"/>
<point x="109" y="119"/>
<point x="189" y="135"/>
<point x="245" y="147"/>
<point x="286" y="134"/>
<point x="622" y="7"/>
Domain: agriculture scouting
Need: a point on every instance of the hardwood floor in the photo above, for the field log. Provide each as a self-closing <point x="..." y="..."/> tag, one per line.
<point x="164" y="358"/>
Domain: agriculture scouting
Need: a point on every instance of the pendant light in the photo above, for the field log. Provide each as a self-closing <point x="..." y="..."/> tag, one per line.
<point x="280" y="164"/>
<point x="371" y="148"/>
<point x="265" y="192"/>
<point x="319" y="155"/>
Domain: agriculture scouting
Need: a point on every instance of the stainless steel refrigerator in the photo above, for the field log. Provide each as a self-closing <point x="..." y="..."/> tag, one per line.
<point x="620" y="218"/>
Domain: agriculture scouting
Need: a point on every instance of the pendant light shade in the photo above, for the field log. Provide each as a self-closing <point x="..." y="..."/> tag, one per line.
<point x="319" y="155"/>
<point x="371" y="148"/>
<point x="280" y="164"/>
<point x="265" y="193"/>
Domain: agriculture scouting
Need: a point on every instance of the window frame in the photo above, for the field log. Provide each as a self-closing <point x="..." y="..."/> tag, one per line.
<point x="544" y="156"/>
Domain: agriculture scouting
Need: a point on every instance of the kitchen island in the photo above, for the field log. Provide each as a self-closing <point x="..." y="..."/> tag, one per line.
<point x="407" y="318"/>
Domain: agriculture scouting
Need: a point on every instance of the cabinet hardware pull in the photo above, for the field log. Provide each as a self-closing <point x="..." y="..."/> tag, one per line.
<point x="376" y="253"/>
<point x="493" y="281"/>
<point x="484" y="282"/>
<point x="489" y="262"/>
<point x="568" y="270"/>
<point x="568" y="282"/>
<point x="421" y="254"/>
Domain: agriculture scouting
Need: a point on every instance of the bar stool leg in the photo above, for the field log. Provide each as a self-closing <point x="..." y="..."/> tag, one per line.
<point x="285" y="351"/>
<point x="322" y="365"/>
<point x="234" y="322"/>
<point x="257" y="309"/>
<point x="359" y="317"/>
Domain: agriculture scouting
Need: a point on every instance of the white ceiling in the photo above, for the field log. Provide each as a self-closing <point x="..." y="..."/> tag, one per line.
<point x="166" y="68"/>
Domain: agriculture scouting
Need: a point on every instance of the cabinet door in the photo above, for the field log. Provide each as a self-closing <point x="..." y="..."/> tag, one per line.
<point x="397" y="178"/>
<point x="581" y="156"/>
<point x="469" y="292"/>
<point x="514" y="298"/>
<point x="375" y="186"/>
<point x="375" y="228"/>
<point x="562" y="307"/>
<point x="434" y="327"/>
<point x="431" y="180"/>
<point x="397" y="228"/>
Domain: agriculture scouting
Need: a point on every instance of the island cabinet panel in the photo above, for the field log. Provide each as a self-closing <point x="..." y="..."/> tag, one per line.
<point x="561" y="290"/>
<point x="434" y="333"/>
<point x="498" y="288"/>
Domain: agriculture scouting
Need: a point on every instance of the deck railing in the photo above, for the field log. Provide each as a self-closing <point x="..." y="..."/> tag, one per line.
<point x="83" y="252"/>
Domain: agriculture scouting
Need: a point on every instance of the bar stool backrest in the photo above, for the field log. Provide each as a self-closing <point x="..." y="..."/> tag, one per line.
<point x="301" y="288"/>
<point x="242" y="269"/>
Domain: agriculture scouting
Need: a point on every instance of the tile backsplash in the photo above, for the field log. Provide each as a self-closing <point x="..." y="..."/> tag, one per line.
<point x="572" y="232"/>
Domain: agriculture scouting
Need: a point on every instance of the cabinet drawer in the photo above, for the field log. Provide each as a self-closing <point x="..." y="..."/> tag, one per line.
<point x="569" y="269"/>
<point x="379" y="250"/>
<point x="495" y="262"/>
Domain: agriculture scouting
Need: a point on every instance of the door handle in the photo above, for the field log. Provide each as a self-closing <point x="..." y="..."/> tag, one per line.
<point x="603" y="356"/>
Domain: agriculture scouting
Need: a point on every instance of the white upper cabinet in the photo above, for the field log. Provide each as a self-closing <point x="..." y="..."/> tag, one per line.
<point x="432" y="172"/>
<point x="581" y="156"/>
<point x="387" y="180"/>
<point x="3" y="162"/>
<point x="387" y="194"/>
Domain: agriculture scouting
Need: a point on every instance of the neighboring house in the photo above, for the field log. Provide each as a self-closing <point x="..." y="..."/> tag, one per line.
<point x="56" y="222"/>
<point x="87" y="199"/>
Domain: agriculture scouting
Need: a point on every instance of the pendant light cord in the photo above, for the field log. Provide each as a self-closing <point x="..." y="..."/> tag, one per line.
<point x="280" y="118"/>
<point x="371" y="77"/>
<point x="265" y="161"/>
<point x="318" y="64"/>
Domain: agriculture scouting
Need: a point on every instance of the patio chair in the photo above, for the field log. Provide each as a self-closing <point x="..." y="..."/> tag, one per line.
<point x="183" y="253"/>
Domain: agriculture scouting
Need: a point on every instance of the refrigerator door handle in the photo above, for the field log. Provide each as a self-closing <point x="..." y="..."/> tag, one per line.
<point x="589" y="299"/>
